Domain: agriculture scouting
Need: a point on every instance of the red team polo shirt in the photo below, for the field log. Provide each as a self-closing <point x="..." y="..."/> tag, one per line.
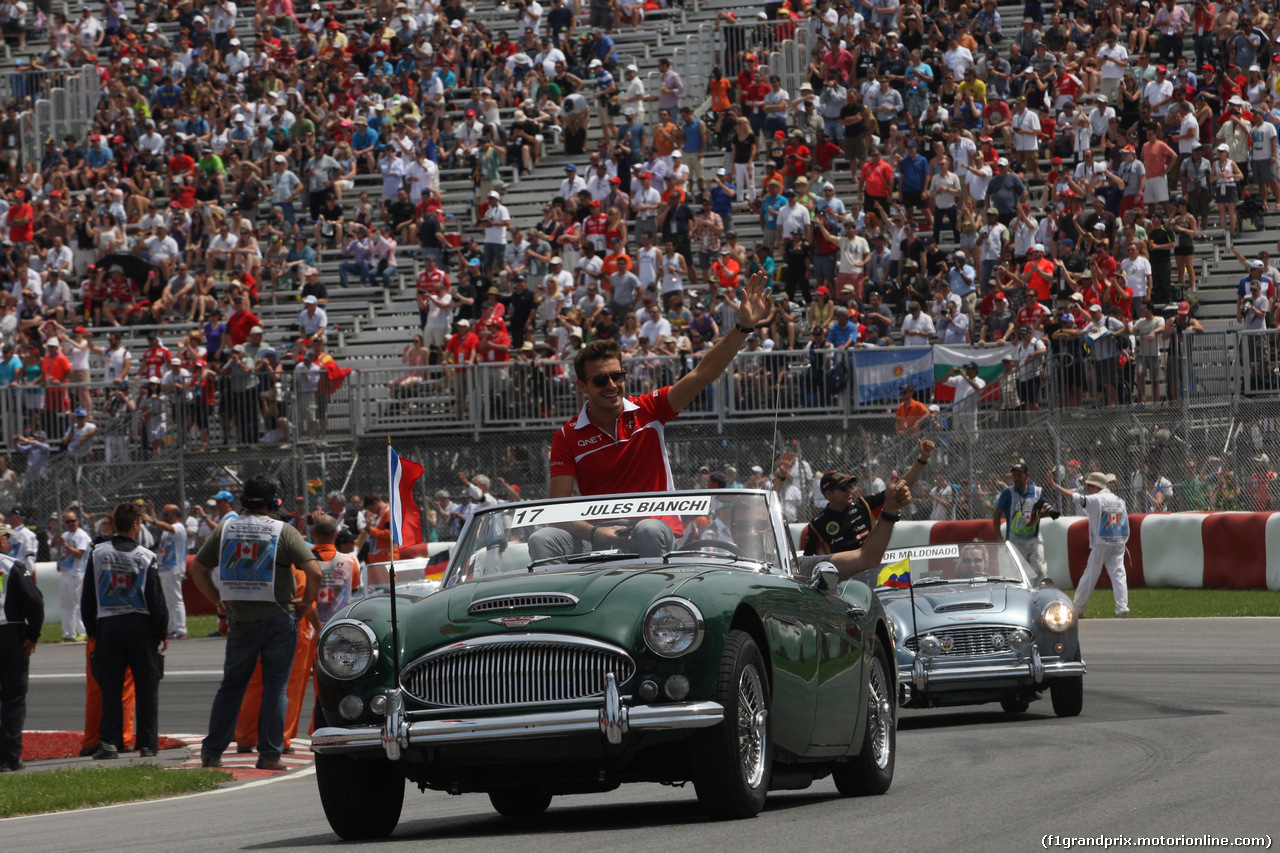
<point x="636" y="462"/>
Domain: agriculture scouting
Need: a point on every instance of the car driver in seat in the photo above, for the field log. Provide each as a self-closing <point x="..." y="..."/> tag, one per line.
<point x="616" y="444"/>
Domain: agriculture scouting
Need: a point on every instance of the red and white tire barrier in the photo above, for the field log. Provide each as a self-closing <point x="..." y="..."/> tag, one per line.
<point x="1225" y="550"/>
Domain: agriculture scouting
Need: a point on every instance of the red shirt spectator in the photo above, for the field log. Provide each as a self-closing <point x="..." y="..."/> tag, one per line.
<point x="435" y="281"/>
<point x="20" y="220"/>
<point x="461" y="346"/>
<point x="240" y="322"/>
<point x="826" y="154"/>
<point x="1032" y="314"/>
<point x="494" y="342"/>
<point x="1117" y="294"/>
<point x="56" y="367"/>
<point x="798" y="158"/>
<point x="877" y="177"/>
<point x="181" y="165"/>
<point x="155" y="359"/>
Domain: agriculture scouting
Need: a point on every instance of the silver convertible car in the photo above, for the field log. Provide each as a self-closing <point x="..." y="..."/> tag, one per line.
<point x="971" y="629"/>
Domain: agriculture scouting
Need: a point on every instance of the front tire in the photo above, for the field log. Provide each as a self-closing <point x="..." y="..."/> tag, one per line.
<point x="361" y="799"/>
<point x="520" y="802"/>
<point x="1067" y="695"/>
<point x="871" y="771"/>
<point x="732" y="760"/>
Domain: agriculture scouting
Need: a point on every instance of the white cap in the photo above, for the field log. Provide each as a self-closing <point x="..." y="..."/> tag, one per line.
<point x="595" y="63"/>
<point x="1038" y="247"/>
<point x="151" y="28"/>
<point x="234" y="42"/>
<point x="1256" y="265"/>
<point x="280" y="158"/>
<point x="494" y="194"/>
<point x="1223" y="147"/>
<point x="1003" y="161"/>
<point x="677" y="153"/>
<point x="310" y="300"/>
<point x="632" y="68"/>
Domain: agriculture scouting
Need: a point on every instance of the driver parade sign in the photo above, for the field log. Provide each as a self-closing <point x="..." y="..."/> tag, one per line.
<point x="923" y="552"/>
<point x="600" y="510"/>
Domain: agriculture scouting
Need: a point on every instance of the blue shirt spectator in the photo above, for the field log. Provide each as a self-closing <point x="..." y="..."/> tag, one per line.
<point x="843" y="332"/>
<point x="913" y="170"/>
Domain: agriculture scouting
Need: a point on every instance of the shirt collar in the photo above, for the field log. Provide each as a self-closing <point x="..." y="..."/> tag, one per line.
<point x="583" y="421"/>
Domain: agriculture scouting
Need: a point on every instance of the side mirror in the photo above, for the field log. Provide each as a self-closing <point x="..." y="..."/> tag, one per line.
<point x="825" y="577"/>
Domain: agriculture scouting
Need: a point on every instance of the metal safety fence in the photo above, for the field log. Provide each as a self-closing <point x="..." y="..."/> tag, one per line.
<point x="793" y="415"/>
<point x="54" y="103"/>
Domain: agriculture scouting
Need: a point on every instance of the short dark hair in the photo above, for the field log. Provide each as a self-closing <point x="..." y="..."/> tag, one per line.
<point x="125" y="515"/>
<point x="598" y="350"/>
<point x="259" y="492"/>
<point x="371" y="498"/>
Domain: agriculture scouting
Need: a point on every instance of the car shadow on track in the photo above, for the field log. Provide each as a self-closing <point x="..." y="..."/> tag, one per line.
<point x="575" y="819"/>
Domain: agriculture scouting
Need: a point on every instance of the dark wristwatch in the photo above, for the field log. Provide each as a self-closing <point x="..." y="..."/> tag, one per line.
<point x="746" y="330"/>
<point x="889" y="517"/>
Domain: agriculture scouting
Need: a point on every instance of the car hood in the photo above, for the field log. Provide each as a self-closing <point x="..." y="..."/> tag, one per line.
<point x="614" y="597"/>
<point x="953" y="603"/>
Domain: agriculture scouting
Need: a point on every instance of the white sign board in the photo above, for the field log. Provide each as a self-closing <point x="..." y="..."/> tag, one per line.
<point x="600" y="510"/>
<point x="922" y="552"/>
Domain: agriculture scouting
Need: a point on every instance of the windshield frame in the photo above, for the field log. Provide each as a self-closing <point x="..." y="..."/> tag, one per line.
<point x="871" y="576"/>
<point x="463" y="550"/>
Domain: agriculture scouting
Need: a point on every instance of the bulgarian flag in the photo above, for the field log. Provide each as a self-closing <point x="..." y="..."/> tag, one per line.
<point x="406" y="523"/>
<point x="989" y="364"/>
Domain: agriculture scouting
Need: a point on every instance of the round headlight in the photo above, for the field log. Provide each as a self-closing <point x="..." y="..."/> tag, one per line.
<point x="347" y="649"/>
<point x="1058" y="617"/>
<point x="930" y="647"/>
<point x="673" y="627"/>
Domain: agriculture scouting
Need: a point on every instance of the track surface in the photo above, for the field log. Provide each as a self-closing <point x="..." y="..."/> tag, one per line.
<point x="1178" y="737"/>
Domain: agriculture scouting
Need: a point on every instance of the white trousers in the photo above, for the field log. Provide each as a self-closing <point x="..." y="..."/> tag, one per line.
<point x="744" y="178"/>
<point x="1111" y="556"/>
<point x="171" y="583"/>
<point x="1032" y="550"/>
<point x="69" y="596"/>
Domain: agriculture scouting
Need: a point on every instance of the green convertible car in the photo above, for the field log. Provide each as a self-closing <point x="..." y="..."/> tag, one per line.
<point x="536" y="670"/>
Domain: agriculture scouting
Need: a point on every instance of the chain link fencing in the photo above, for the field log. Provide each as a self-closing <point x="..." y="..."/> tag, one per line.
<point x="1209" y="449"/>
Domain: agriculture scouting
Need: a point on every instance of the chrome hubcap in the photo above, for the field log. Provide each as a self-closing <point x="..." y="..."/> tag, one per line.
<point x="879" y="715"/>
<point x="752" y="733"/>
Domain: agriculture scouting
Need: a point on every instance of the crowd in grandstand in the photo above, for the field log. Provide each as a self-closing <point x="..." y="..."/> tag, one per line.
<point x="933" y="179"/>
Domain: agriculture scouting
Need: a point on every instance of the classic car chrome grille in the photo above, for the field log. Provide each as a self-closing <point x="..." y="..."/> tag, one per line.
<point x="971" y="640"/>
<point x="523" y="602"/>
<point x="524" y="670"/>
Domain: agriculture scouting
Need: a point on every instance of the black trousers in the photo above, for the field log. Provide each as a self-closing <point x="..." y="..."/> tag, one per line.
<point x="13" y="692"/>
<point x="127" y="642"/>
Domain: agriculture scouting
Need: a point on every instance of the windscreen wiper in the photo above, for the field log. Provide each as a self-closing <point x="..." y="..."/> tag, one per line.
<point x="589" y="557"/>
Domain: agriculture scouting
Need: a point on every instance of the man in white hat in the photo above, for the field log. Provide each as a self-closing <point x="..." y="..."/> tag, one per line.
<point x="1108" y="533"/>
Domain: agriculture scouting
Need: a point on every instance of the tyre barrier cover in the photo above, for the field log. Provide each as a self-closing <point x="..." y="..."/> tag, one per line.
<point x="1191" y="550"/>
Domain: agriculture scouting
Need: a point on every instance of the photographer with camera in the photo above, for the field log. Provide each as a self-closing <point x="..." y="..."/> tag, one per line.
<point x="1021" y="506"/>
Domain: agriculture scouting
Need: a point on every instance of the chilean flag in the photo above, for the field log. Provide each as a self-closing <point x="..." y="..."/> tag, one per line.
<point x="406" y="524"/>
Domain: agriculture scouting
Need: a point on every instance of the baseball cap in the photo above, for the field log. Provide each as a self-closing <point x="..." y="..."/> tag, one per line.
<point x="80" y="413"/>
<point x="718" y="477"/>
<point x="1095" y="307"/>
<point x="1184" y="307"/>
<point x="224" y="495"/>
<point x="1017" y="466"/>
<point x="835" y="479"/>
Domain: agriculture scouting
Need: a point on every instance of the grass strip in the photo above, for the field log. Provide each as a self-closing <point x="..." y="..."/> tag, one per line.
<point x="1167" y="602"/>
<point x="197" y="626"/>
<point x="63" y="790"/>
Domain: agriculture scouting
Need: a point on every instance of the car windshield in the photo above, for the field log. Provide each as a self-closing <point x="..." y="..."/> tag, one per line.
<point x="736" y="526"/>
<point x="968" y="562"/>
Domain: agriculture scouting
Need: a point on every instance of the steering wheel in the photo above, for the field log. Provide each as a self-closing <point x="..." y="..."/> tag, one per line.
<point x="717" y="543"/>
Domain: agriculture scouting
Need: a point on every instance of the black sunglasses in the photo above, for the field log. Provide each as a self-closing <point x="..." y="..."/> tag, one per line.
<point x="603" y="380"/>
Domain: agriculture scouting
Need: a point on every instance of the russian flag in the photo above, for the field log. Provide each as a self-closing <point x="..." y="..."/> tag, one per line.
<point x="406" y="524"/>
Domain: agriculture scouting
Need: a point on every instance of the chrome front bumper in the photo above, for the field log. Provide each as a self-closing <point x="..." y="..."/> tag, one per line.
<point x="610" y="722"/>
<point x="921" y="675"/>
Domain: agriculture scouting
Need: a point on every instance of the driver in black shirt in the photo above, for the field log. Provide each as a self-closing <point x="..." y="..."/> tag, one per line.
<point x="847" y="521"/>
